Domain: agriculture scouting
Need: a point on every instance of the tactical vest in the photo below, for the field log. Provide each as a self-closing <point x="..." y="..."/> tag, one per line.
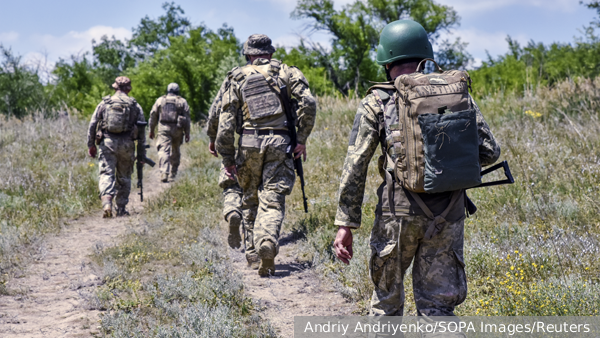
<point x="171" y="108"/>
<point x="119" y="114"/>
<point x="259" y="91"/>
<point x="431" y="138"/>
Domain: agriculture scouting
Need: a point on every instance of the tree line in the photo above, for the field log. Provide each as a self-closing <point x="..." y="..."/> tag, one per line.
<point x="171" y="49"/>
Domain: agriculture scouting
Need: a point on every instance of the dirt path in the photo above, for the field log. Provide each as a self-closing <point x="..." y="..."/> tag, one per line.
<point x="295" y="290"/>
<point x="50" y="299"/>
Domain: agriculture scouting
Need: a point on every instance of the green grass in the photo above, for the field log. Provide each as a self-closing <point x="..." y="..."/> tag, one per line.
<point x="45" y="178"/>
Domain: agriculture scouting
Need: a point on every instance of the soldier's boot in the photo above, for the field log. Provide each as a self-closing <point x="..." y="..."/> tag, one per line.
<point x="266" y="252"/>
<point x="173" y="175"/>
<point x="121" y="211"/>
<point x="106" y="206"/>
<point x="253" y="261"/>
<point x="234" y="239"/>
<point x="164" y="177"/>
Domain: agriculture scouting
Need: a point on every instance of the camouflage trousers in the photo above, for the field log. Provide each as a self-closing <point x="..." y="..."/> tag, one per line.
<point x="116" y="155"/>
<point x="439" y="279"/>
<point x="168" y="143"/>
<point x="232" y="194"/>
<point x="266" y="175"/>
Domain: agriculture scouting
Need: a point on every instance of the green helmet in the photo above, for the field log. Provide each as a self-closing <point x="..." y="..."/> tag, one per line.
<point x="403" y="39"/>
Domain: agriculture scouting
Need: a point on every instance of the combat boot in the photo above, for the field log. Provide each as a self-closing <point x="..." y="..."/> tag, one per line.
<point x="121" y="211"/>
<point x="164" y="178"/>
<point x="106" y="206"/>
<point x="173" y="174"/>
<point x="234" y="239"/>
<point x="266" y="252"/>
<point x="253" y="261"/>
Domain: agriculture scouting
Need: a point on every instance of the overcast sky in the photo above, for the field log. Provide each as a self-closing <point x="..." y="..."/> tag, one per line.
<point x="61" y="28"/>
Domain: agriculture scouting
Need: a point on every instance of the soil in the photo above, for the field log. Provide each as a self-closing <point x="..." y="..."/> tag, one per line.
<point x="49" y="299"/>
<point x="295" y="290"/>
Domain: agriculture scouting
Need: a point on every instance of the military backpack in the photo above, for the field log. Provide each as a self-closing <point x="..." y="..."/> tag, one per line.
<point x="431" y="136"/>
<point x="120" y="114"/>
<point x="171" y="108"/>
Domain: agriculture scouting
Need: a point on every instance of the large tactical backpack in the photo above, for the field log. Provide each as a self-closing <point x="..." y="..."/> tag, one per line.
<point x="119" y="114"/>
<point x="171" y="108"/>
<point x="431" y="132"/>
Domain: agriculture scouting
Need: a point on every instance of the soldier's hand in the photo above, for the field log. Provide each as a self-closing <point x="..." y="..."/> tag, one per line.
<point x="92" y="151"/>
<point x="211" y="148"/>
<point x="187" y="138"/>
<point x="343" y="244"/>
<point x="231" y="172"/>
<point x="152" y="134"/>
<point x="300" y="150"/>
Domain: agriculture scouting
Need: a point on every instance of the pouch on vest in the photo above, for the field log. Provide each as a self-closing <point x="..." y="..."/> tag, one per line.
<point x="260" y="100"/>
<point x="117" y="117"/>
<point x="168" y="111"/>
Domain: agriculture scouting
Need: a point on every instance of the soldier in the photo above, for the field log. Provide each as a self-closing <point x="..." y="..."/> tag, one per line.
<point x="252" y="107"/>
<point x="172" y="114"/>
<point x="400" y="233"/>
<point x="232" y="192"/>
<point x="114" y="128"/>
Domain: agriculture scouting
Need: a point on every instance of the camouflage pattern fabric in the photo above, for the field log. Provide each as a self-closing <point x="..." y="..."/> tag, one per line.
<point x="169" y="137"/>
<point x="439" y="279"/>
<point x="168" y="144"/>
<point x="266" y="175"/>
<point x="116" y="155"/>
<point x="212" y="124"/>
<point x="232" y="194"/>
<point x="233" y="101"/>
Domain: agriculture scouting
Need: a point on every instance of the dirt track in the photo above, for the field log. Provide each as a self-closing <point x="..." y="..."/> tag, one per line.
<point x="293" y="291"/>
<point x="50" y="299"/>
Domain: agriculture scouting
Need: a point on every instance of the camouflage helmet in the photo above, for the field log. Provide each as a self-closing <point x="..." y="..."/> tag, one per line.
<point x="173" y="88"/>
<point x="122" y="83"/>
<point x="258" y="44"/>
<point x="403" y="39"/>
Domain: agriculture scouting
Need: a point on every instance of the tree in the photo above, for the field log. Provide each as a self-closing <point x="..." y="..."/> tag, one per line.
<point x="355" y="30"/>
<point x="21" y="91"/>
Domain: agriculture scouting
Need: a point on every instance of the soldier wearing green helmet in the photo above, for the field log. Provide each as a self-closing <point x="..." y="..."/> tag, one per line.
<point x="401" y="233"/>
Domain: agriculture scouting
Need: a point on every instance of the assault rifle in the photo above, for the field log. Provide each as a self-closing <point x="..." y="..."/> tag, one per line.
<point x="140" y="165"/>
<point x="293" y="141"/>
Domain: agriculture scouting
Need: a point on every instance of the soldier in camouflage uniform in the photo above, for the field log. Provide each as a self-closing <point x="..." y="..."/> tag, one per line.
<point x="398" y="239"/>
<point x="114" y="128"/>
<point x="232" y="193"/>
<point x="252" y="108"/>
<point x="172" y="114"/>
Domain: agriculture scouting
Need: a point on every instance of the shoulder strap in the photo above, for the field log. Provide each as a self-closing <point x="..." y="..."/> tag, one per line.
<point x="237" y="74"/>
<point x="382" y="85"/>
<point x="274" y="66"/>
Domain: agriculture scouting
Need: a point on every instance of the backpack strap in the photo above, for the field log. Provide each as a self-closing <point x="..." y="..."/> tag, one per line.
<point x="274" y="66"/>
<point x="437" y="222"/>
<point x="237" y="74"/>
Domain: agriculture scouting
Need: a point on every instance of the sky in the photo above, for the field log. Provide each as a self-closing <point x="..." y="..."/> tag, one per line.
<point x="60" y="28"/>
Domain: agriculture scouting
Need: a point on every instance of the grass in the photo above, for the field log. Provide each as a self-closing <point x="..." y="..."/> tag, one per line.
<point x="45" y="177"/>
<point x="172" y="276"/>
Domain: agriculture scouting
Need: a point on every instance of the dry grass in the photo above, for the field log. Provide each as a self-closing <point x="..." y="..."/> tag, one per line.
<point x="45" y="177"/>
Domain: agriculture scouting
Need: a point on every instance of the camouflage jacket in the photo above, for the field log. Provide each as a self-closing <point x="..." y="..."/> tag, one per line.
<point x="233" y="101"/>
<point x="364" y="140"/>
<point x="155" y="115"/>
<point x="212" y="124"/>
<point x="97" y="117"/>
